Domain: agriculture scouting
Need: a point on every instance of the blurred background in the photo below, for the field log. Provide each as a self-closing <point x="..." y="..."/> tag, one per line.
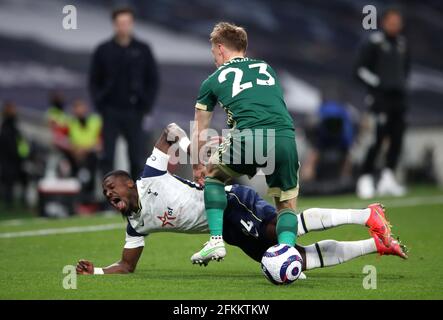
<point x="313" y="46"/>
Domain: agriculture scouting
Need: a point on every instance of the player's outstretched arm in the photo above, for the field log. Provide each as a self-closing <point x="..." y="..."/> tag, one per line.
<point x="199" y="138"/>
<point x="127" y="264"/>
<point x="171" y="134"/>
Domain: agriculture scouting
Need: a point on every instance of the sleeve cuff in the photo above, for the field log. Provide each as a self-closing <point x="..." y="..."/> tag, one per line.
<point x="201" y="106"/>
<point x="158" y="160"/>
<point x="184" y="144"/>
<point x="98" y="271"/>
<point x="134" y="242"/>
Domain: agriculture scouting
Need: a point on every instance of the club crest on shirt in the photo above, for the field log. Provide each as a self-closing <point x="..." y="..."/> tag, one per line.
<point x="152" y="192"/>
<point x="167" y="218"/>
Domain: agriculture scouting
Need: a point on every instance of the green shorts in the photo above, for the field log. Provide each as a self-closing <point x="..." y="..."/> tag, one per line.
<point x="275" y="153"/>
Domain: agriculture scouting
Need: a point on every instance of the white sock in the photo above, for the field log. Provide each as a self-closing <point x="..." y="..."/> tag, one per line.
<point x="321" y="219"/>
<point x="330" y="252"/>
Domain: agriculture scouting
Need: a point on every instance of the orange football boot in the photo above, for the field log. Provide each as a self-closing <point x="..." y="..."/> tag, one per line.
<point x="396" y="248"/>
<point x="378" y="224"/>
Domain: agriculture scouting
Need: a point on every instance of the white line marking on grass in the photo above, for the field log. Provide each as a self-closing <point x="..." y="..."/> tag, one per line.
<point x="404" y="202"/>
<point x="13" y="222"/>
<point x="408" y="202"/>
<point x="34" y="220"/>
<point x="47" y="232"/>
<point x="413" y="202"/>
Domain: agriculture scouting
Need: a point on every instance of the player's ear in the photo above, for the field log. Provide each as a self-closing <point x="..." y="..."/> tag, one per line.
<point x="130" y="183"/>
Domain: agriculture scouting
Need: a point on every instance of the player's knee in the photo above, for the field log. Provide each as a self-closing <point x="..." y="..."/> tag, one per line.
<point x="210" y="170"/>
<point x="285" y="204"/>
<point x="331" y="247"/>
<point x="213" y="171"/>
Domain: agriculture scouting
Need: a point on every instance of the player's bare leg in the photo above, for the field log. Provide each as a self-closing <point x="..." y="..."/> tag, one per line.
<point x="215" y="204"/>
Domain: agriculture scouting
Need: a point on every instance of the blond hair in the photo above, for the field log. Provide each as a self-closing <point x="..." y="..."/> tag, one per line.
<point x="230" y="35"/>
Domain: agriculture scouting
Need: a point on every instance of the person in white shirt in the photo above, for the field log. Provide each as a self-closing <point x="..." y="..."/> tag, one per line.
<point x="162" y="202"/>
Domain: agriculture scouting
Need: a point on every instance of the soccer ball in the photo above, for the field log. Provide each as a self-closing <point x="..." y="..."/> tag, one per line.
<point x="281" y="264"/>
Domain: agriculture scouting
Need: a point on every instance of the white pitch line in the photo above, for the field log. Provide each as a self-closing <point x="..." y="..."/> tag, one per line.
<point x="413" y="202"/>
<point x="394" y="203"/>
<point x="47" y="232"/>
<point x="13" y="222"/>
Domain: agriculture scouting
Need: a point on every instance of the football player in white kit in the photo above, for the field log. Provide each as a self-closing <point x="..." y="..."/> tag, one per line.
<point x="162" y="202"/>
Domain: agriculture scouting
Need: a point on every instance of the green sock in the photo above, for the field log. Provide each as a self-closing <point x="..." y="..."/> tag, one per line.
<point x="287" y="224"/>
<point x="215" y="204"/>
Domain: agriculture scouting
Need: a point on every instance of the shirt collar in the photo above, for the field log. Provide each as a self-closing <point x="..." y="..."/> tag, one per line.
<point x="236" y="57"/>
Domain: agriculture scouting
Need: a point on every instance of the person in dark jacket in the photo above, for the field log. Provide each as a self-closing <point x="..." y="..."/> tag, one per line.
<point x="14" y="151"/>
<point x="383" y="66"/>
<point x="123" y="83"/>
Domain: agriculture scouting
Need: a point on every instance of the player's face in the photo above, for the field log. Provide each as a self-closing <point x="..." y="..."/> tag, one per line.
<point x="124" y="25"/>
<point x="217" y="53"/>
<point x="80" y="109"/>
<point x="118" y="192"/>
<point x="393" y="24"/>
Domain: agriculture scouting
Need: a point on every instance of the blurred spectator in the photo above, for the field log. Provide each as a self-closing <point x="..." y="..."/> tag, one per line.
<point x="329" y="160"/>
<point x="14" y="151"/>
<point x="383" y="66"/>
<point x="123" y="83"/>
<point x="84" y="146"/>
<point x="58" y="120"/>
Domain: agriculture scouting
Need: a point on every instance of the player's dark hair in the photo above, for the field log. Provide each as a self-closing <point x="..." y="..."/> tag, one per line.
<point x="122" y="10"/>
<point x="117" y="173"/>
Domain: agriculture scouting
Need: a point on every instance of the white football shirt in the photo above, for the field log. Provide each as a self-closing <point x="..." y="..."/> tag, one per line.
<point x="168" y="203"/>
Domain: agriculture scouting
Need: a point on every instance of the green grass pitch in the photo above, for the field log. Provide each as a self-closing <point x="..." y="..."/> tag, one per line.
<point x="31" y="267"/>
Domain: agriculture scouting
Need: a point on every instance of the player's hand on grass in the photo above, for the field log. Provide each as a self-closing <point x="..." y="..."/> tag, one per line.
<point x="85" y="267"/>
<point x="199" y="172"/>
